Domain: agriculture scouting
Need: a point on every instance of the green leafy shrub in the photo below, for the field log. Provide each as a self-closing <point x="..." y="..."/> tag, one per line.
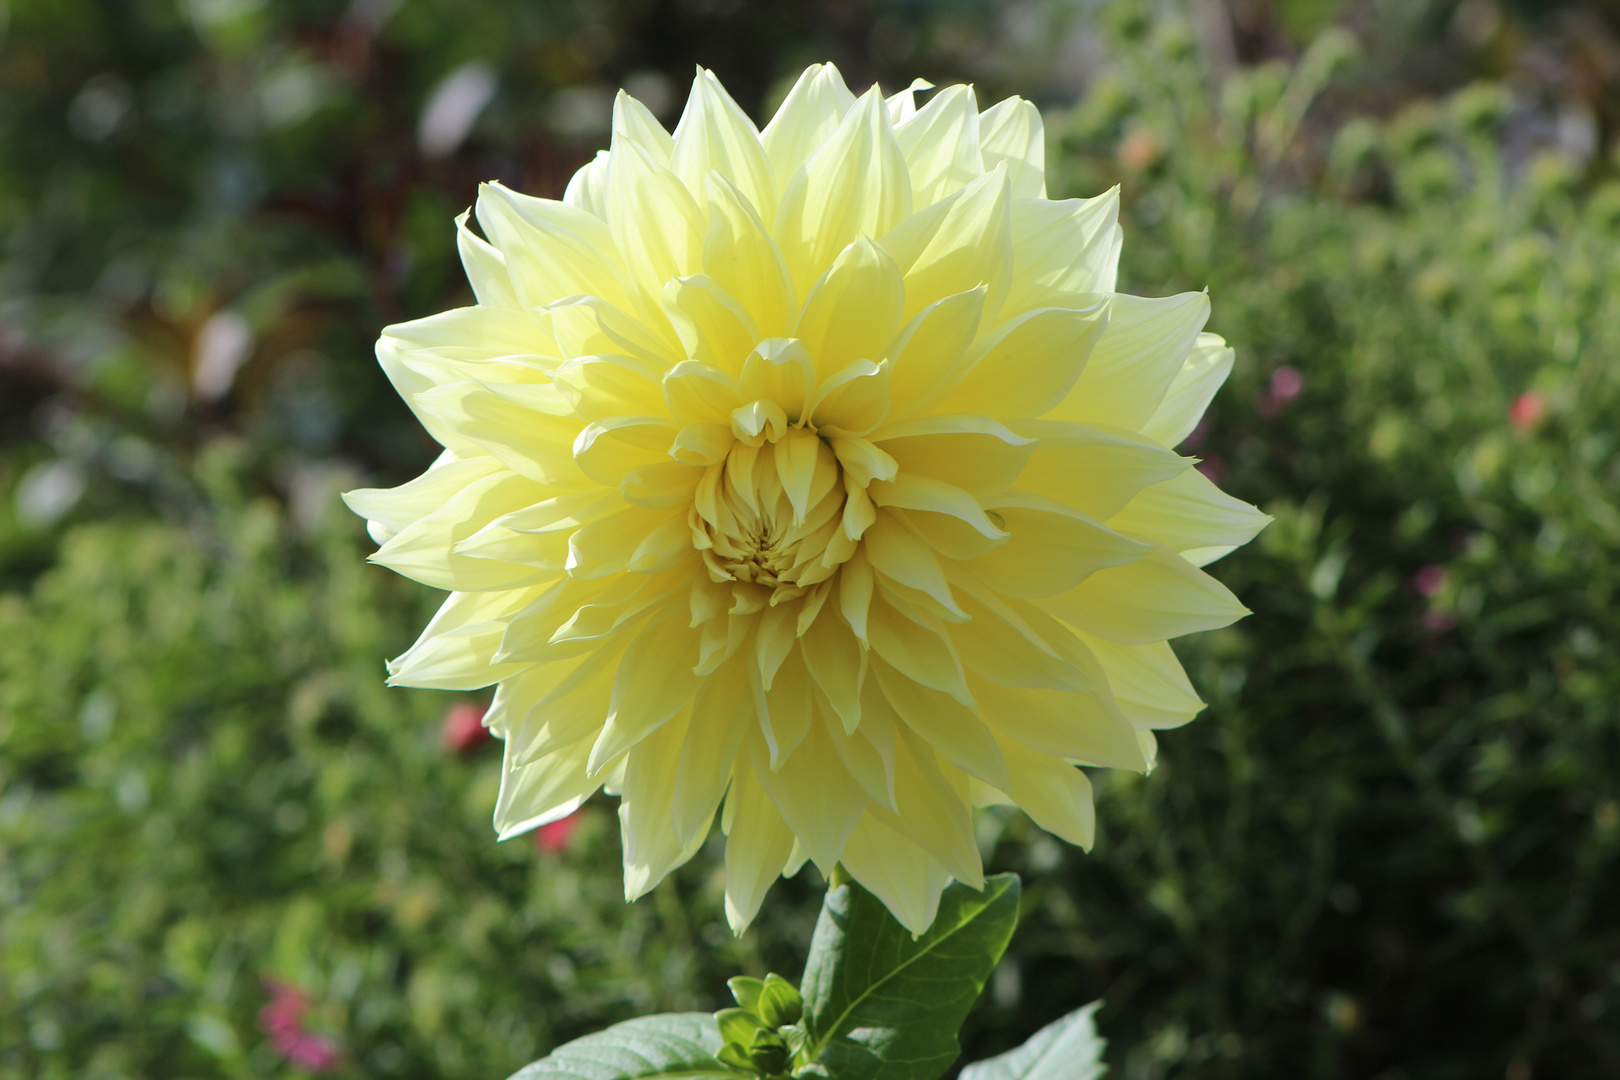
<point x="1384" y="849"/>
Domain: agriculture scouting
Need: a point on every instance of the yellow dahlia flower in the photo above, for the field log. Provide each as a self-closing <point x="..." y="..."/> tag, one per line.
<point x="816" y="478"/>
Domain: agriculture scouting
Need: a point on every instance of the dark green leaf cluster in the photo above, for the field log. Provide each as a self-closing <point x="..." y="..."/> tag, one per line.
<point x="876" y="1003"/>
<point x="761" y="1033"/>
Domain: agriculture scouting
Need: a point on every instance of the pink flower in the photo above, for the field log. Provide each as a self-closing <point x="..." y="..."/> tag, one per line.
<point x="283" y="1021"/>
<point x="1526" y="410"/>
<point x="1286" y="384"/>
<point x="312" y="1053"/>
<point x="1429" y="580"/>
<point x="464" y="728"/>
<point x="555" y="837"/>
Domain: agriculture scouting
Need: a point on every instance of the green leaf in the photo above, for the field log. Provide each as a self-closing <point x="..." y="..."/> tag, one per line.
<point x="737" y="1026"/>
<point x="666" y="1047"/>
<point x="882" y="1005"/>
<point x="747" y="992"/>
<point x="779" y="1003"/>
<point x="1066" y="1049"/>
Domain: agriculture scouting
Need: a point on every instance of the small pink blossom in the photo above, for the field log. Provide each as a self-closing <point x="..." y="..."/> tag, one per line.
<point x="464" y="728"/>
<point x="1526" y="410"/>
<point x="283" y="1021"/>
<point x="556" y="836"/>
<point x="1429" y="580"/>
<point x="1286" y="384"/>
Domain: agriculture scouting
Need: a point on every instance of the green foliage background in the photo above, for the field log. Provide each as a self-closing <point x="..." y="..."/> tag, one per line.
<point x="1389" y="849"/>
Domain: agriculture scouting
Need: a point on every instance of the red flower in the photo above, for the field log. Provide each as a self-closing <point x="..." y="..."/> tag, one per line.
<point x="464" y="728"/>
<point x="1526" y="410"/>
<point x="556" y="836"/>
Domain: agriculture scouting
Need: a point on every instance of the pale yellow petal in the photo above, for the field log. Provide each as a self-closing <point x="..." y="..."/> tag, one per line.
<point x="807" y="117"/>
<point x="655" y="222"/>
<point x="980" y="455"/>
<point x="907" y="879"/>
<point x="555" y="705"/>
<point x="634" y="123"/>
<point x="903" y="105"/>
<point x="785" y="707"/>
<point x="1028" y="364"/>
<point x="1063" y="250"/>
<point x="587" y="188"/>
<point x="1154" y="598"/>
<point x="853" y="401"/>
<point x="545" y="790"/>
<point x="1052" y="548"/>
<point x="1011" y="135"/>
<point x="1055" y="794"/>
<point x="1192" y="389"/>
<point x="916" y="646"/>
<point x="1066" y="724"/>
<point x="960" y="242"/>
<point x="941" y="145"/>
<point x="900" y="554"/>
<point x="930" y="810"/>
<point x="655" y="681"/>
<point x="996" y="649"/>
<point x="758" y="846"/>
<point x="643" y="541"/>
<point x="860" y="755"/>
<point x="1148" y="682"/>
<point x="739" y="254"/>
<point x="853" y="311"/>
<point x="722" y="713"/>
<point x="1190" y="515"/>
<point x="1095" y="470"/>
<point x="389" y="510"/>
<point x="714" y="133"/>
<point x="1135" y="360"/>
<point x="714" y="327"/>
<point x="605" y="450"/>
<point x="817" y="797"/>
<point x="853" y="185"/>
<point x="522" y="426"/>
<point x="457" y="648"/>
<point x="930" y="353"/>
<point x="563" y="618"/>
<point x="427" y="549"/>
<point x="951" y="728"/>
<point x="651" y="848"/>
<point x="915" y="491"/>
<point x="485" y="267"/>
<point x="551" y="250"/>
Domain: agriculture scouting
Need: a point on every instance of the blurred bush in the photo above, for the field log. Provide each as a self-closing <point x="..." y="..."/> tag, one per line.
<point x="1389" y="849"/>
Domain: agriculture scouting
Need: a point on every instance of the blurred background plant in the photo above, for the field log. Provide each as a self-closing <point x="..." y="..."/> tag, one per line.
<point x="1389" y="849"/>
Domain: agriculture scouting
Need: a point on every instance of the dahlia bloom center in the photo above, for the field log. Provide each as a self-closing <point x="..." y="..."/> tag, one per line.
<point x="781" y="509"/>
